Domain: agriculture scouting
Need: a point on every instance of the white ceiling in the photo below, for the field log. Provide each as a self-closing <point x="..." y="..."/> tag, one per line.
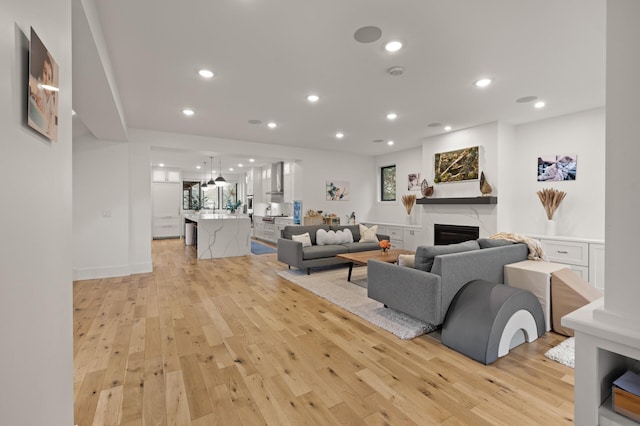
<point x="269" y="55"/>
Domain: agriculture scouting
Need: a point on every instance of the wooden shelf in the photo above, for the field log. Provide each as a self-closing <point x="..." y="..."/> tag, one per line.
<point x="460" y="200"/>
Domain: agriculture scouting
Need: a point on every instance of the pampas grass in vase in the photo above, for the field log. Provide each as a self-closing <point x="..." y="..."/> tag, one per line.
<point x="408" y="201"/>
<point x="551" y="199"/>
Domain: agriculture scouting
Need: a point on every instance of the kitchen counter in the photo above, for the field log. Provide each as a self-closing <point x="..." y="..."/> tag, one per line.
<point x="221" y="235"/>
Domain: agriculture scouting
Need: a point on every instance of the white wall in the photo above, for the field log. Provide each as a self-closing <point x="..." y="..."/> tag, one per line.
<point x="406" y="162"/>
<point x="313" y="169"/>
<point x="581" y="213"/>
<point x="100" y="209"/>
<point x="36" y="360"/>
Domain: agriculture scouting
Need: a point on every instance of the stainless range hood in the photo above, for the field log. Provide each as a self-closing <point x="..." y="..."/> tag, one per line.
<point x="276" y="191"/>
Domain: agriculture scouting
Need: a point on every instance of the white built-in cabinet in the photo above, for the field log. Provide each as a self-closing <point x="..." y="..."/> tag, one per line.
<point x="407" y="237"/>
<point x="584" y="256"/>
<point x="162" y="175"/>
<point x="166" y="202"/>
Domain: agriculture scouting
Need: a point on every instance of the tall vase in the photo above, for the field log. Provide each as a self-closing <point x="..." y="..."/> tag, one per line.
<point x="551" y="227"/>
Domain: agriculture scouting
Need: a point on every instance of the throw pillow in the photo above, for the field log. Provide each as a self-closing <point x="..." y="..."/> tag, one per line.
<point x="344" y="236"/>
<point x="426" y="254"/>
<point x="368" y="235"/>
<point x="305" y="239"/>
<point x="324" y="237"/>
<point x="407" y="260"/>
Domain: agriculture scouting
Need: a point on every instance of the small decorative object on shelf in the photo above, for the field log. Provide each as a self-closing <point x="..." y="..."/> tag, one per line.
<point x="485" y="188"/>
<point x="427" y="191"/>
<point x="408" y="201"/>
<point x="384" y="245"/>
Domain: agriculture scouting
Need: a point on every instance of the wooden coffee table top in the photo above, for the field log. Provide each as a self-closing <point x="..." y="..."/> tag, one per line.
<point x="361" y="257"/>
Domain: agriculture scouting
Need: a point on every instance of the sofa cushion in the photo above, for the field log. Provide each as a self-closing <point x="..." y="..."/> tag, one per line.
<point x="356" y="247"/>
<point x="305" y="239"/>
<point x="290" y="230"/>
<point x="490" y="242"/>
<point x="324" y="237"/>
<point x="426" y="254"/>
<point x="321" y="252"/>
<point x="355" y="230"/>
<point x="368" y="235"/>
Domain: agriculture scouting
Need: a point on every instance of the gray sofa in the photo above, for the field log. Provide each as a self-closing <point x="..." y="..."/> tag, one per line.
<point x="426" y="291"/>
<point x="293" y="254"/>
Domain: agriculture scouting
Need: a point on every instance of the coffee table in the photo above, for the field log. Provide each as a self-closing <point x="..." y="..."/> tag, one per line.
<point x="362" y="257"/>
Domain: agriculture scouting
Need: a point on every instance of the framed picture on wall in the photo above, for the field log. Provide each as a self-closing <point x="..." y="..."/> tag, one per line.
<point x="42" y="105"/>
<point x="414" y="182"/>
<point x="338" y="190"/>
<point x="456" y="166"/>
<point x="557" y="167"/>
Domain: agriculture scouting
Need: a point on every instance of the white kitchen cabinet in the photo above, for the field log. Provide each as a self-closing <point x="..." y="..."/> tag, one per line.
<point x="161" y="175"/>
<point x="166" y="201"/>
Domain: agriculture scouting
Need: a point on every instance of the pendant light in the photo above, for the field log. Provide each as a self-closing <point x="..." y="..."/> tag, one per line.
<point x="204" y="175"/>
<point x="211" y="181"/>
<point x="220" y="180"/>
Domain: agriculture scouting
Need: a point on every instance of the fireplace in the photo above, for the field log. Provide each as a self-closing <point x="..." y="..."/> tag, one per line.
<point x="451" y="234"/>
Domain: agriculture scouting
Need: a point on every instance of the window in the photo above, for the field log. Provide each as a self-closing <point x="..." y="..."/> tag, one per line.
<point x="388" y="183"/>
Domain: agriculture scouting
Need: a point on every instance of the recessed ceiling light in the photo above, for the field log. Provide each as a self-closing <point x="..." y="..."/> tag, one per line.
<point x="483" y="82"/>
<point x="198" y="167"/>
<point x="447" y="128"/>
<point x="272" y="125"/>
<point x="313" y="98"/>
<point x="539" y="104"/>
<point x="73" y="113"/>
<point x="205" y="73"/>
<point x="393" y="46"/>
<point x="526" y="99"/>
<point x="367" y="34"/>
<point x="390" y="143"/>
<point x="230" y="169"/>
<point x="251" y="160"/>
<point x="188" y="112"/>
<point x="392" y="116"/>
<point x="240" y="165"/>
<point x="339" y="135"/>
<point x="161" y="164"/>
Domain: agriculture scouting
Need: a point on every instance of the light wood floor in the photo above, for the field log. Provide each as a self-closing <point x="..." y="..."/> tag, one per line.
<point x="228" y="342"/>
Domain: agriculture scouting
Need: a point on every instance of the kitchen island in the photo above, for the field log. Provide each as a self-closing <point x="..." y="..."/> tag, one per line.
<point x="221" y="235"/>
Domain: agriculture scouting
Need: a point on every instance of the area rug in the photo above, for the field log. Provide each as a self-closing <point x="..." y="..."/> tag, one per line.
<point x="259" y="248"/>
<point x="564" y="353"/>
<point x="332" y="285"/>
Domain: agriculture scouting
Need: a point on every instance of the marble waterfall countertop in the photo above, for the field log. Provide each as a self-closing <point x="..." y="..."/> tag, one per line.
<point x="222" y="235"/>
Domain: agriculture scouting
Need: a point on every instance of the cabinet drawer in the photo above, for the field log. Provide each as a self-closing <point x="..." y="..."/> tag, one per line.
<point x="165" y="231"/>
<point x="166" y="220"/>
<point x="572" y="253"/>
<point x="395" y="233"/>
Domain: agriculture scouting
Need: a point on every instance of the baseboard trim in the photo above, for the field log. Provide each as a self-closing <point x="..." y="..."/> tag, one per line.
<point x="111" y="271"/>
